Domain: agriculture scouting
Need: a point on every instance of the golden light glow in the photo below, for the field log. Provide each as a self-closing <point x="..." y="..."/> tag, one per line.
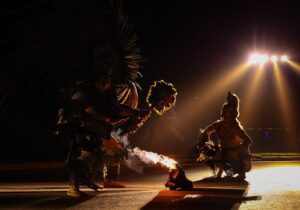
<point x="295" y="65"/>
<point x="226" y="80"/>
<point x="283" y="96"/>
<point x="247" y="108"/>
<point x="287" y="178"/>
<point x="263" y="58"/>
<point x="229" y="79"/>
<point x="219" y="85"/>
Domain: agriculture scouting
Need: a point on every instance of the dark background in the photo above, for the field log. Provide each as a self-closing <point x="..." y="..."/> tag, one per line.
<point x="188" y="43"/>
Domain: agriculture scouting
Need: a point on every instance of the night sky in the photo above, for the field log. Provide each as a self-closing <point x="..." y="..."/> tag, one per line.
<point x="187" y="43"/>
<point x="191" y="42"/>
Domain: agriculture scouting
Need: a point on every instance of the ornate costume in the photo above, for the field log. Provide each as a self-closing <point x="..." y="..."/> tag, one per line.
<point x="226" y="142"/>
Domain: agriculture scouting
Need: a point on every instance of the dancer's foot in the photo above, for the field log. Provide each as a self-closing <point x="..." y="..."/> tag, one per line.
<point x="74" y="191"/>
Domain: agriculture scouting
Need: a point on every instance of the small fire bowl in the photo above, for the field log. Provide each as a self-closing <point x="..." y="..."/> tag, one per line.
<point x="178" y="180"/>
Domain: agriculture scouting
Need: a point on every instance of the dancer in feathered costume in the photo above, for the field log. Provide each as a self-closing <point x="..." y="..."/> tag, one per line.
<point x="87" y="70"/>
<point x="77" y="58"/>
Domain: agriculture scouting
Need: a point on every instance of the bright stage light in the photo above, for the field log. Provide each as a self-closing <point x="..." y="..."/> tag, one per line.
<point x="284" y="58"/>
<point x="274" y="58"/>
<point x="258" y="58"/>
<point x="264" y="58"/>
<point x="254" y="58"/>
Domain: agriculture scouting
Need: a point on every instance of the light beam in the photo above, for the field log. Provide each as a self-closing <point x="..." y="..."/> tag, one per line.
<point x="294" y="65"/>
<point x="251" y="95"/>
<point x="283" y="93"/>
<point x="218" y="85"/>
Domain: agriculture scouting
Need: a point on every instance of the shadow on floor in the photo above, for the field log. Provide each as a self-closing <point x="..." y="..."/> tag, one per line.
<point x="40" y="200"/>
<point x="208" y="193"/>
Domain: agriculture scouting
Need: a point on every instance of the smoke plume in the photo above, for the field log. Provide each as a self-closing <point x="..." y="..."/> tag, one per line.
<point x="137" y="158"/>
